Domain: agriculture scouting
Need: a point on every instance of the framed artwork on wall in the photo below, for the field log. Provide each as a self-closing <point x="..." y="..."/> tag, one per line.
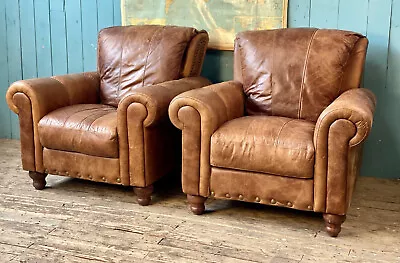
<point x="221" y="18"/>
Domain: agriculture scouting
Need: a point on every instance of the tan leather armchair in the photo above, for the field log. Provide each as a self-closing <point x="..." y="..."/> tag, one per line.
<point x="111" y="125"/>
<point x="288" y="131"/>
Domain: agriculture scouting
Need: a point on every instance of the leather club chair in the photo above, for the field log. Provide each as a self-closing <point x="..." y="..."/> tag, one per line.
<point x="111" y="125"/>
<point x="288" y="131"/>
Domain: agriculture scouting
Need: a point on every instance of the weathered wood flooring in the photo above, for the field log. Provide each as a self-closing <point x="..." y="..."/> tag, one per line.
<point x="80" y="221"/>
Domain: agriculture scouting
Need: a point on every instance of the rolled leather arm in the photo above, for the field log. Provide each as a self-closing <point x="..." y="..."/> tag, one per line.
<point x="48" y="94"/>
<point x="356" y="106"/>
<point x="34" y="98"/>
<point x="216" y="105"/>
<point x="156" y="98"/>
<point x="199" y="113"/>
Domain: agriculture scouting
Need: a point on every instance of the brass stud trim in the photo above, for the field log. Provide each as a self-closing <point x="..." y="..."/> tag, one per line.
<point x="103" y="178"/>
<point x="258" y="199"/>
<point x="240" y="197"/>
<point x="289" y="204"/>
<point x="273" y="201"/>
<point x="310" y="207"/>
<point x="212" y="193"/>
<point x="228" y="196"/>
<point x="118" y="180"/>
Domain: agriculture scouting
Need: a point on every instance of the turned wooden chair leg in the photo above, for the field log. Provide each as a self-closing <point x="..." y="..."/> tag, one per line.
<point x="196" y="204"/>
<point x="144" y="194"/>
<point x="333" y="224"/>
<point x="39" y="180"/>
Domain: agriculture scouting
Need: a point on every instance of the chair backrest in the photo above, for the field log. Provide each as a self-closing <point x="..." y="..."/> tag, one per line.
<point x="297" y="72"/>
<point x="130" y="57"/>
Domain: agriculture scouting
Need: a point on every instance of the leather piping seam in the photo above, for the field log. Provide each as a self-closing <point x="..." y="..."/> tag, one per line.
<point x="241" y="63"/>
<point x="345" y="66"/>
<point x="120" y="67"/>
<point x="148" y="54"/>
<point x="272" y="71"/>
<point x="327" y="162"/>
<point x="304" y="73"/>
<point x="201" y="136"/>
<point x="326" y="115"/>
<point x="33" y="128"/>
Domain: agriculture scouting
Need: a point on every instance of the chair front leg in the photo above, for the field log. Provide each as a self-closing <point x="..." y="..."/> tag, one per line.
<point x="196" y="204"/>
<point x="144" y="194"/>
<point x="333" y="224"/>
<point x="39" y="180"/>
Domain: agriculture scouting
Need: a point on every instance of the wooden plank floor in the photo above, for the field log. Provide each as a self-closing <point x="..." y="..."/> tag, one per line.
<point x="80" y="221"/>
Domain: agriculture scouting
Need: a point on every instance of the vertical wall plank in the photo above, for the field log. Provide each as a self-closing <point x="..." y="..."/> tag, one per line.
<point x="299" y="13"/>
<point x="324" y="13"/>
<point x="74" y="35"/>
<point x="28" y="40"/>
<point x="105" y="13"/>
<point x="5" y="114"/>
<point x="382" y="138"/>
<point x="58" y="37"/>
<point x="89" y="34"/>
<point x="117" y="13"/>
<point x="391" y="105"/>
<point x="13" y="53"/>
<point x="43" y="41"/>
<point x="353" y="15"/>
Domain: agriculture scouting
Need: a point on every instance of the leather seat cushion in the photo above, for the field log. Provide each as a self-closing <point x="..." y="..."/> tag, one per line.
<point x="266" y="144"/>
<point x="85" y="128"/>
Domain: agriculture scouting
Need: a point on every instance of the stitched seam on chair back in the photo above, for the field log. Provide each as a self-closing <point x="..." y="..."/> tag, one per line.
<point x="304" y="73"/>
<point x="148" y="53"/>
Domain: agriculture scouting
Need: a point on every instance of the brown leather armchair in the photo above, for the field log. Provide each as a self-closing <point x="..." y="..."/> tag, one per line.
<point x="288" y="131"/>
<point x="111" y="125"/>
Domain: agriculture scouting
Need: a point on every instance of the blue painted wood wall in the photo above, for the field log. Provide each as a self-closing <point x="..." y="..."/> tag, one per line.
<point x="41" y="38"/>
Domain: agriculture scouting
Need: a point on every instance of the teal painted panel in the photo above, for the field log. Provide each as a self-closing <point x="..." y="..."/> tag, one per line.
<point x="89" y="34"/>
<point x="324" y="13"/>
<point x="117" y="13"/>
<point x="218" y="66"/>
<point x="5" y="114"/>
<point x="299" y="13"/>
<point x="13" y="53"/>
<point x="28" y="40"/>
<point x="105" y="14"/>
<point x="391" y="101"/>
<point x="43" y="42"/>
<point x="74" y="35"/>
<point x="349" y="19"/>
<point x="58" y="37"/>
<point x="378" y="152"/>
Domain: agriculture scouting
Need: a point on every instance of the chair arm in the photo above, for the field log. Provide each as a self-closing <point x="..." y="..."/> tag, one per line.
<point x="143" y="127"/>
<point x="199" y="113"/>
<point x="48" y="94"/>
<point x="34" y="98"/>
<point x="216" y="105"/>
<point x="356" y="106"/>
<point x="340" y="130"/>
<point x="156" y="98"/>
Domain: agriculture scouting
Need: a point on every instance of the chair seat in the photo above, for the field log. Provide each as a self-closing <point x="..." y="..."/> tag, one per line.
<point x="84" y="128"/>
<point x="267" y="144"/>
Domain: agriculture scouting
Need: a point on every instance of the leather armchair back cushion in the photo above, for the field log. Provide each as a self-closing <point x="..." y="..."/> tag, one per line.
<point x="136" y="56"/>
<point x="297" y="72"/>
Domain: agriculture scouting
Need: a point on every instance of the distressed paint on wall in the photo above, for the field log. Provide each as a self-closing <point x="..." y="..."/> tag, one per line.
<point x="40" y="38"/>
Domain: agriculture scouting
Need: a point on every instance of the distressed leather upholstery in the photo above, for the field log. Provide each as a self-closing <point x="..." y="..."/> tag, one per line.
<point x="112" y="125"/>
<point x="288" y="130"/>
<point x="265" y="144"/>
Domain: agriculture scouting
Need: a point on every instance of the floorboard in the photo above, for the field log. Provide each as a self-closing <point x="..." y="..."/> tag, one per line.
<point x="80" y="221"/>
